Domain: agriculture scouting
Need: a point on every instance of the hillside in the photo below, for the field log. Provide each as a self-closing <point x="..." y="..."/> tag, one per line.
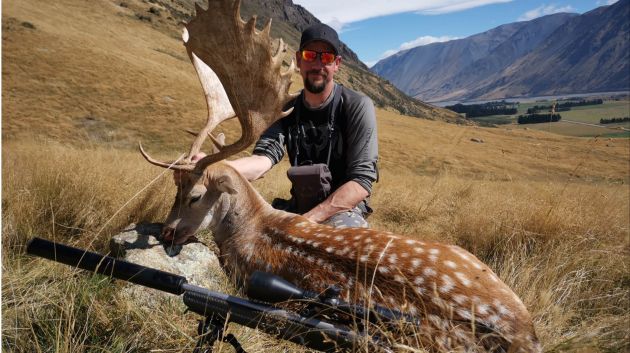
<point x="288" y="22"/>
<point x="532" y="58"/>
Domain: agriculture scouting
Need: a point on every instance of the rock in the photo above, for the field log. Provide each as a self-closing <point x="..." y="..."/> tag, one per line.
<point x="28" y="25"/>
<point x="139" y="244"/>
<point x="475" y="139"/>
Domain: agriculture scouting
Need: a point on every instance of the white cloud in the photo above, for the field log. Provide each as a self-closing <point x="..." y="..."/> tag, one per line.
<point x="544" y="10"/>
<point x="606" y="2"/>
<point x="424" y="40"/>
<point x="338" y="13"/>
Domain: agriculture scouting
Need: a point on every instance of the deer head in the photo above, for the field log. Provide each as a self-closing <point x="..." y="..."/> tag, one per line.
<point x="240" y="72"/>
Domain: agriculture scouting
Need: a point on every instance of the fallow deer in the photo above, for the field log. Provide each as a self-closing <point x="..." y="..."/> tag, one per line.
<point x="460" y="301"/>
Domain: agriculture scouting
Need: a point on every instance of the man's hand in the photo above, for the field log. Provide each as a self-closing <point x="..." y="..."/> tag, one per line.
<point x="343" y="199"/>
<point x="177" y="174"/>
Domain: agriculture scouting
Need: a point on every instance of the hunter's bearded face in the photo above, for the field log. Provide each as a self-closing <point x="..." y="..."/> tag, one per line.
<point x="317" y="75"/>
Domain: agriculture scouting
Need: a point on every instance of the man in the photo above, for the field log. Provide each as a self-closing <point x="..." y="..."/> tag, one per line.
<point x="331" y="125"/>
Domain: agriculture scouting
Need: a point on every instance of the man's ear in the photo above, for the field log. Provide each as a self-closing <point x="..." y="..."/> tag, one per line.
<point x="224" y="184"/>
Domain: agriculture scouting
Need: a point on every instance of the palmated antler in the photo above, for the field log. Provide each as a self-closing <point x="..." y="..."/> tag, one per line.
<point x="238" y="69"/>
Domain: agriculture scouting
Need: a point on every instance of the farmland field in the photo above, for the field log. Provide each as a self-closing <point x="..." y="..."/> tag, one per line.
<point x="590" y="114"/>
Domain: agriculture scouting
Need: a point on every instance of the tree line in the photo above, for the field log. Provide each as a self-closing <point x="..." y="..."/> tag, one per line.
<point x="614" y="120"/>
<point x="538" y="118"/>
<point x="564" y="106"/>
<point x="485" y="109"/>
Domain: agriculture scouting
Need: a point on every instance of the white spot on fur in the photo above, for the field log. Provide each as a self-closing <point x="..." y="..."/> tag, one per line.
<point x="343" y="251"/>
<point x="502" y="309"/>
<point x="363" y="258"/>
<point x="302" y="224"/>
<point x="462" y="278"/>
<point x="450" y="264"/>
<point x="432" y="258"/>
<point x="447" y="284"/>
<point x="316" y="244"/>
<point x="464" y="314"/>
<point x="357" y="237"/>
<point x="429" y="271"/>
<point x="477" y="266"/>
<point x="404" y="255"/>
<point x="330" y="249"/>
<point x="339" y="238"/>
<point x="410" y="242"/>
<point x="368" y="240"/>
<point x="483" y="309"/>
<point x="418" y="250"/>
<point x="399" y="279"/>
<point x="434" y="251"/>
<point x="415" y="263"/>
<point x="461" y="253"/>
<point x="418" y="280"/>
<point x="392" y="258"/>
<point x="383" y="269"/>
<point x="460" y="299"/>
<point x="420" y="290"/>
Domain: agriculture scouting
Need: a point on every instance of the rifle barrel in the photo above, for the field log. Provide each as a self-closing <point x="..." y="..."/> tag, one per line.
<point x="106" y="265"/>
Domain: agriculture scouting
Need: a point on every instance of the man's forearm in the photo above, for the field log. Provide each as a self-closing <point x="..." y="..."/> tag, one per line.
<point x="251" y="167"/>
<point x="344" y="198"/>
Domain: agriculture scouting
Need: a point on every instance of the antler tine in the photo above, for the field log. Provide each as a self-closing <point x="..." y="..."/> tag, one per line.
<point x="169" y="165"/>
<point x="218" y="141"/>
<point x="218" y="104"/>
<point x="250" y="26"/>
<point x="267" y="28"/>
<point x="277" y="56"/>
<point x="244" y="62"/>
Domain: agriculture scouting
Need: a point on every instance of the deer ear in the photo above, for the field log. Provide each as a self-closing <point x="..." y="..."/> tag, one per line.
<point x="224" y="184"/>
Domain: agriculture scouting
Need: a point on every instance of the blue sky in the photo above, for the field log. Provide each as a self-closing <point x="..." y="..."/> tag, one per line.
<point x="375" y="29"/>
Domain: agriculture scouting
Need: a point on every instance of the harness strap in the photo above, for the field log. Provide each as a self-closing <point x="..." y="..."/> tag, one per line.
<point x="335" y="107"/>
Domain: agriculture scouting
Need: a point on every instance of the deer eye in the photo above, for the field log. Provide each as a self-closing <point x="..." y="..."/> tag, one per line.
<point x="194" y="199"/>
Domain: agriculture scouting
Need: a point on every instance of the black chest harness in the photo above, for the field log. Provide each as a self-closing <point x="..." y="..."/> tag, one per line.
<point x="311" y="182"/>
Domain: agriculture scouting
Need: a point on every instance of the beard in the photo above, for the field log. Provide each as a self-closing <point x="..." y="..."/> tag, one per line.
<point x="313" y="87"/>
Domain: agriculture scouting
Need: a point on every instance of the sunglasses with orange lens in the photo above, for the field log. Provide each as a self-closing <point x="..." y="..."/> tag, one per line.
<point x="325" y="57"/>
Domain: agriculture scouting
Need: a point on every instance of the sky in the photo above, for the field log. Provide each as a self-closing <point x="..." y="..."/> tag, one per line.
<point x="375" y="29"/>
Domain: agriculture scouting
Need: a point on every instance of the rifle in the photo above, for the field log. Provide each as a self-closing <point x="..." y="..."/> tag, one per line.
<point x="325" y="323"/>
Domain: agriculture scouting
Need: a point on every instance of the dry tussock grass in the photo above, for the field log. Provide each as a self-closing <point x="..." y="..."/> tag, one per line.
<point x="550" y="214"/>
<point x="562" y="246"/>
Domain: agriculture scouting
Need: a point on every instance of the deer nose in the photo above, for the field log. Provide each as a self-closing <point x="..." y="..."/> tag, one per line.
<point x="168" y="233"/>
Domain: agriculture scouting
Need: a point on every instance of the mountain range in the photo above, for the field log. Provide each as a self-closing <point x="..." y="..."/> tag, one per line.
<point x="555" y="54"/>
<point x="290" y="19"/>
